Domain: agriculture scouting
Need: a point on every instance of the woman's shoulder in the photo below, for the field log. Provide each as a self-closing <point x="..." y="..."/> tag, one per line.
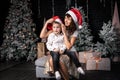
<point x="75" y="33"/>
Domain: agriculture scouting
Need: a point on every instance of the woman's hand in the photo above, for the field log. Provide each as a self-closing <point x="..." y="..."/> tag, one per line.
<point x="44" y="33"/>
<point x="49" y="20"/>
<point x="63" y="28"/>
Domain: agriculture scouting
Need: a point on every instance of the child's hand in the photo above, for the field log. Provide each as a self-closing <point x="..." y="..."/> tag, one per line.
<point x="56" y="50"/>
<point x="61" y="52"/>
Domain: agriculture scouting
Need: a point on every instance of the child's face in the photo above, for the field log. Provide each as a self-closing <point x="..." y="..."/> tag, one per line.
<point x="56" y="28"/>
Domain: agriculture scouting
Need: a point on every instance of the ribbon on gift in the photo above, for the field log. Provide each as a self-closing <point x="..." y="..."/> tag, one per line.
<point x="97" y="60"/>
<point x="85" y="55"/>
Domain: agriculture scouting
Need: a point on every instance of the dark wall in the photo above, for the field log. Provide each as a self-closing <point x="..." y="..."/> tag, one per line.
<point x="42" y="9"/>
<point x="99" y="12"/>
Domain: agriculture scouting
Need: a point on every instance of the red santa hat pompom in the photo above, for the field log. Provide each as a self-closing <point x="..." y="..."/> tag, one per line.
<point x="56" y="19"/>
<point x="76" y="16"/>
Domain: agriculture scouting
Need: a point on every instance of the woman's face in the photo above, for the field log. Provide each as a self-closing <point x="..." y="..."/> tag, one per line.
<point x="67" y="20"/>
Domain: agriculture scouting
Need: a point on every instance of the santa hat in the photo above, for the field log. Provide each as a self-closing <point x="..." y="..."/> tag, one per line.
<point x="76" y="16"/>
<point x="56" y="19"/>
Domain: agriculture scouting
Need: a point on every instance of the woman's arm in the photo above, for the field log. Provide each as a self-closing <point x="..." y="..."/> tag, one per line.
<point x="44" y="33"/>
<point x="68" y="43"/>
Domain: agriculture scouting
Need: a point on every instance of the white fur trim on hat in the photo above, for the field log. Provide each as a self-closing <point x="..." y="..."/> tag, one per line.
<point x="72" y="15"/>
<point x="58" y="20"/>
<point x="80" y="26"/>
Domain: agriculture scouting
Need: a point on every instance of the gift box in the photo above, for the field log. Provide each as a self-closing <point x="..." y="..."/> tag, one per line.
<point x="84" y="56"/>
<point x="116" y="59"/>
<point x="41" y="49"/>
<point x="98" y="64"/>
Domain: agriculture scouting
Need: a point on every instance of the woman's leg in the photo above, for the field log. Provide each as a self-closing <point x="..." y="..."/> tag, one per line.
<point x="73" y="57"/>
<point x="64" y="71"/>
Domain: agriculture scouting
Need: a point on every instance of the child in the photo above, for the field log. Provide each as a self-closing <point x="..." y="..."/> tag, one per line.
<point x="55" y="44"/>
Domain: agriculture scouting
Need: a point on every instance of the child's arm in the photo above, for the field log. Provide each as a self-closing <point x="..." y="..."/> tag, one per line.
<point x="62" y="49"/>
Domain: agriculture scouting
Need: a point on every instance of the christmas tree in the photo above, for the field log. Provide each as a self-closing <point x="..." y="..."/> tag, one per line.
<point x="109" y="36"/>
<point x="84" y="41"/>
<point x="85" y="38"/>
<point x="19" y="33"/>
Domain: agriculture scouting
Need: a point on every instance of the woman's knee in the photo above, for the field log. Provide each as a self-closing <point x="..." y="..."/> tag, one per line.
<point x="71" y="53"/>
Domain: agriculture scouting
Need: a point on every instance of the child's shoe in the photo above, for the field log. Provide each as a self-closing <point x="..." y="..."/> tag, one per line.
<point x="57" y="75"/>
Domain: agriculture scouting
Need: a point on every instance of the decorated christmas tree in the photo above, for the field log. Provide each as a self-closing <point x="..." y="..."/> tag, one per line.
<point x="84" y="41"/>
<point x="85" y="38"/>
<point x="109" y="36"/>
<point x="19" y="33"/>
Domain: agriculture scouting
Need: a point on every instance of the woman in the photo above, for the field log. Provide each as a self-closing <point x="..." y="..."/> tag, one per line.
<point x="72" y="22"/>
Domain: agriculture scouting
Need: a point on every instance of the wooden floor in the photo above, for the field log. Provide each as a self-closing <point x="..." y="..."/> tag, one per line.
<point x="26" y="71"/>
<point x="21" y="71"/>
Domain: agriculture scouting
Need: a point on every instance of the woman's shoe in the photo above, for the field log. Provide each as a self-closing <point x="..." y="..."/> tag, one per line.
<point x="80" y="70"/>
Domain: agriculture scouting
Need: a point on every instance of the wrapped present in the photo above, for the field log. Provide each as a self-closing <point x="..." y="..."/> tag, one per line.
<point x="116" y="59"/>
<point x="41" y="49"/>
<point x="84" y="56"/>
<point x="98" y="64"/>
